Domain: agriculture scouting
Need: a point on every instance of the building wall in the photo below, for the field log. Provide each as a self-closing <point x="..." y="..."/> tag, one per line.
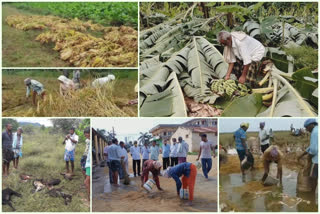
<point x="202" y="122"/>
<point x="193" y="139"/>
<point x="164" y="133"/>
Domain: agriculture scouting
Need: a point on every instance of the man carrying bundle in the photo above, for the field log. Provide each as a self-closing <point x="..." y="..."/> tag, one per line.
<point x="243" y="54"/>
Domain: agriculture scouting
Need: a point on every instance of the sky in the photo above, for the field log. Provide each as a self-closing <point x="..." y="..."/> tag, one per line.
<point x="131" y="127"/>
<point x="42" y="121"/>
<point x="277" y="124"/>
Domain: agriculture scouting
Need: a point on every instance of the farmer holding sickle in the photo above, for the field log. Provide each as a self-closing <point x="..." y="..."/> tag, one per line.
<point x="243" y="53"/>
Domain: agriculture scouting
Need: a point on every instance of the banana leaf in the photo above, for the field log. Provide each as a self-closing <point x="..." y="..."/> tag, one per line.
<point x="248" y="106"/>
<point x="167" y="103"/>
<point x="305" y="83"/>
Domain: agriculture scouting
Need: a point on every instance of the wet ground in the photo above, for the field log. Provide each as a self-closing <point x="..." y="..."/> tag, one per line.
<point x="250" y="194"/>
<point x="133" y="198"/>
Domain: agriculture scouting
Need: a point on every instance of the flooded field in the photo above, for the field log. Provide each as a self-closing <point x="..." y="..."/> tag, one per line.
<point x="133" y="198"/>
<point x="251" y="195"/>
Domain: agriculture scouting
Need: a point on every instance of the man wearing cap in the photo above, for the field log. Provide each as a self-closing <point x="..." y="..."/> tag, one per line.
<point x="263" y="137"/>
<point x="36" y="88"/>
<point x="154" y="151"/>
<point x="16" y="146"/>
<point x="7" y="153"/>
<point x="183" y="149"/>
<point x="135" y="152"/>
<point x="272" y="155"/>
<point x="71" y="141"/>
<point x="243" y="54"/>
<point x="154" y="167"/>
<point x="240" y="137"/>
<point x="312" y="126"/>
<point x="188" y="173"/>
<point x="205" y="154"/>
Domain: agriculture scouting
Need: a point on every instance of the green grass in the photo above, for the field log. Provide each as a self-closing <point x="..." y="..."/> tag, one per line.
<point x="280" y="138"/>
<point x="43" y="158"/>
<point x="19" y="48"/>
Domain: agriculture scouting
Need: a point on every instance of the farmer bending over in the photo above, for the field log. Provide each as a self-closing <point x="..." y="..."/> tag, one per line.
<point x="243" y="53"/>
<point x="66" y="85"/>
<point x="188" y="171"/>
<point x="71" y="141"/>
<point x="36" y="88"/>
<point x="154" y="167"/>
<point x="272" y="154"/>
<point x="16" y="146"/>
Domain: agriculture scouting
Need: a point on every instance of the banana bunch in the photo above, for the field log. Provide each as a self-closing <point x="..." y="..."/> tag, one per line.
<point x="267" y="99"/>
<point x="229" y="88"/>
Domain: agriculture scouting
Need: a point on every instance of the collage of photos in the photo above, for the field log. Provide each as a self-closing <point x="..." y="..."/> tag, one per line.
<point x="150" y="106"/>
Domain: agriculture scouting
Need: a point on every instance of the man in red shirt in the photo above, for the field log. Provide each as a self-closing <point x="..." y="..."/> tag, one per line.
<point x="153" y="167"/>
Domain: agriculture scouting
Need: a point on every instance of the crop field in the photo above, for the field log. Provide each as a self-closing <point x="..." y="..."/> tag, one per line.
<point x="43" y="159"/>
<point x="95" y="35"/>
<point x="183" y="71"/>
<point x="106" y="101"/>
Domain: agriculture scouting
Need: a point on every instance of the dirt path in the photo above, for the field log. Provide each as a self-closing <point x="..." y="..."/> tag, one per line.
<point x="19" y="48"/>
<point x="134" y="199"/>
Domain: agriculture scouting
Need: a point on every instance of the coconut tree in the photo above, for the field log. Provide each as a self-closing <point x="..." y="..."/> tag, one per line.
<point x="144" y="138"/>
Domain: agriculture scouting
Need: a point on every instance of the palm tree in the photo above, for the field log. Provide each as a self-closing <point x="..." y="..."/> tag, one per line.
<point x="144" y="138"/>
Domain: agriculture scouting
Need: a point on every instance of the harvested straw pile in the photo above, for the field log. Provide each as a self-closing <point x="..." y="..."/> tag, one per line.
<point x="117" y="48"/>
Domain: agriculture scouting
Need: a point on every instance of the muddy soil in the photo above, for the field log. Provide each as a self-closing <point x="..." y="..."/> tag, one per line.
<point x="133" y="198"/>
<point x="250" y="194"/>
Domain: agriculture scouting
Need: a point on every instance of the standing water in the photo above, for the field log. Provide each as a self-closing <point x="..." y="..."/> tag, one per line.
<point x="249" y="194"/>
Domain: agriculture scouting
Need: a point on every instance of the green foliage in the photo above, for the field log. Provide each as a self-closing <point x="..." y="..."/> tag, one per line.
<point x="13" y="122"/>
<point x="79" y="131"/>
<point x="106" y="13"/>
<point x="304" y="56"/>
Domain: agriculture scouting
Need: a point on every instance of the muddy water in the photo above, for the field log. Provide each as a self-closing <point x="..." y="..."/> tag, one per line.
<point x="133" y="198"/>
<point x="249" y="194"/>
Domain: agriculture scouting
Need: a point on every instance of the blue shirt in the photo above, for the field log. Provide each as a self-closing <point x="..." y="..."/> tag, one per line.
<point x="240" y="134"/>
<point x="114" y="152"/>
<point x="165" y="150"/>
<point x="177" y="171"/>
<point x="313" y="148"/>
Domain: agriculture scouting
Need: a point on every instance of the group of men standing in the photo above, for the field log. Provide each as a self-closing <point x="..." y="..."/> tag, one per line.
<point x="11" y="148"/>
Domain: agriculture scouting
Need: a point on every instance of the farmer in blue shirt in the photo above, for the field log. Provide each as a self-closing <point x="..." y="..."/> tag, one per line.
<point x="165" y="154"/>
<point x="240" y="137"/>
<point x="312" y="126"/>
<point x="188" y="172"/>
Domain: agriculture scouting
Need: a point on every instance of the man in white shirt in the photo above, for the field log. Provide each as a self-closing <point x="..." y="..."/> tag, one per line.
<point x="145" y="153"/>
<point x="205" y="154"/>
<point x="183" y="149"/>
<point x="114" y="156"/>
<point x="124" y="154"/>
<point x="243" y="54"/>
<point x="154" y="151"/>
<point x="135" y="154"/>
<point x="263" y="138"/>
<point x="173" y="152"/>
<point x="71" y="141"/>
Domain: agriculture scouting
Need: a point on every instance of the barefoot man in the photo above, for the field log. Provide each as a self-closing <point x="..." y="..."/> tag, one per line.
<point x="71" y="141"/>
<point x="7" y="153"/>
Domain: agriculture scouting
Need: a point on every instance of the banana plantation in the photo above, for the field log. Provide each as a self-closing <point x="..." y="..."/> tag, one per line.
<point x="183" y="69"/>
